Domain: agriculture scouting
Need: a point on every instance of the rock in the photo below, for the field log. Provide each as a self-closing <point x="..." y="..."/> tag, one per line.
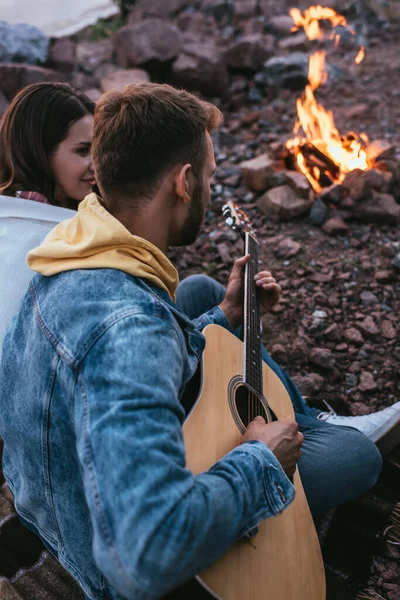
<point x="249" y="53"/>
<point x="279" y="353"/>
<point x="256" y="172"/>
<point x="298" y="41"/>
<point x="283" y="203"/>
<point x="123" y="77"/>
<point x="381" y="208"/>
<point x="367" y="382"/>
<point x="332" y="333"/>
<point x="368" y="298"/>
<point x="351" y="380"/>
<point x="310" y="384"/>
<point x="333" y="194"/>
<point x="388" y="330"/>
<point x="299" y="352"/>
<point x="378" y="148"/>
<point x="383" y="276"/>
<point x="202" y="67"/>
<point x="396" y="262"/>
<point x="221" y="10"/>
<point x="318" y="213"/>
<point x="335" y="226"/>
<point x="22" y="43"/>
<point x="151" y="41"/>
<point x="322" y="357"/>
<point x="282" y="24"/>
<point x="62" y="55"/>
<point x="90" y="55"/>
<point x="289" y="72"/>
<point x="287" y="248"/>
<point x="245" y="9"/>
<point x="14" y="77"/>
<point x="160" y="8"/>
<point x="353" y="336"/>
<point x="298" y="182"/>
<point x="357" y="184"/>
<point x="368" y="326"/>
<point x="358" y="409"/>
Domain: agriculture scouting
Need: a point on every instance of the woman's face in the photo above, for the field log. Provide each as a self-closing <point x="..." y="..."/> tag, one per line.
<point x="72" y="164"/>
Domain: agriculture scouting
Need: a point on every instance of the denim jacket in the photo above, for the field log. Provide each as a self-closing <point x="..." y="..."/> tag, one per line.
<point x="93" y="369"/>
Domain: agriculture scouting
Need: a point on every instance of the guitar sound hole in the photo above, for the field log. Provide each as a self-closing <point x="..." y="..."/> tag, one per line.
<point x="248" y="405"/>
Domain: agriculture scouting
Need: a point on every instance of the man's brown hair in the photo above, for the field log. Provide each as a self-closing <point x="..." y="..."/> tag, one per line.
<point x="143" y="132"/>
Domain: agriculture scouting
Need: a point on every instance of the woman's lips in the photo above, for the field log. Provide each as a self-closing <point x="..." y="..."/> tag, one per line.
<point x="89" y="181"/>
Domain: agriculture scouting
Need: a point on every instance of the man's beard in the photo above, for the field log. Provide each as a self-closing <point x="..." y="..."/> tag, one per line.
<point x="194" y="219"/>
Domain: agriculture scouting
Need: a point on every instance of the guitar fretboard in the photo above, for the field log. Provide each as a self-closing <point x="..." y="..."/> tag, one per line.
<point x="252" y="330"/>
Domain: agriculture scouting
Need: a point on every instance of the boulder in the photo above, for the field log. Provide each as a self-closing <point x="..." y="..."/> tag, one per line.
<point x="62" y="55"/>
<point x="335" y="226"/>
<point x="201" y="67"/>
<point x="245" y="9"/>
<point x="90" y="55"/>
<point x="151" y="41"/>
<point x="282" y="202"/>
<point x="289" y="72"/>
<point x="380" y="208"/>
<point x="256" y="172"/>
<point x="22" y="43"/>
<point x="249" y="53"/>
<point x="14" y="77"/>
<point x="123" y="77"/>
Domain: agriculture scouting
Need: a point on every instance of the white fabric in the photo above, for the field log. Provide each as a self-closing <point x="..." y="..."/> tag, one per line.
<point x="56" y="17"/>
<point x="23" y="225"/>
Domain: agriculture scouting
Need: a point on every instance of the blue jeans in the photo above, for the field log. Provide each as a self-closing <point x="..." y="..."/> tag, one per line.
<point x="337" y="463"/>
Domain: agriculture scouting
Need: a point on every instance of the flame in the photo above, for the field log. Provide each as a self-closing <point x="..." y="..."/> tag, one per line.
<point x="360" y="56"/>
<point x="320" y="132"/>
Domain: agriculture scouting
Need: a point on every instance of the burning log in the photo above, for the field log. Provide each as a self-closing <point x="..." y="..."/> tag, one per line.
<point x="316" y="158"/>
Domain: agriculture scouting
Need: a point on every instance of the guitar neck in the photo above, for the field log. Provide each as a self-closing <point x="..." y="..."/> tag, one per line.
<point x="251" y="322"/>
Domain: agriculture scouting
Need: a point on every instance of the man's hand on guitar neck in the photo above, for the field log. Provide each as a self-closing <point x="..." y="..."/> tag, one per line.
<point x="232" y="304"/>
<point x="282" y="437"/>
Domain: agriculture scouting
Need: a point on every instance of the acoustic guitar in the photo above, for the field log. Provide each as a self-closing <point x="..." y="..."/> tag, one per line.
<point x="283" y="561"/>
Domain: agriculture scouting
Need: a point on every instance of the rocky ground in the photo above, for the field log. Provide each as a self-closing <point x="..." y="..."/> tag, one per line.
<point x="336" y="328"/>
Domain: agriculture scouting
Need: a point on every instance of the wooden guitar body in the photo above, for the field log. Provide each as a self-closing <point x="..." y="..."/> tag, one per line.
<point x="283" y="561"/>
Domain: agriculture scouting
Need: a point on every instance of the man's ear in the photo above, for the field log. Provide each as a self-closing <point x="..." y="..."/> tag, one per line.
<point x="183" y="183"/>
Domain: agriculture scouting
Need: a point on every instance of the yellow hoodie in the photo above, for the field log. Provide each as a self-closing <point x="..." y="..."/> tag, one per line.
<point x="94" y="239"/>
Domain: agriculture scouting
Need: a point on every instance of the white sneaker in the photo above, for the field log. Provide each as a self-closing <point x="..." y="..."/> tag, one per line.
<point x="382" y="428"/>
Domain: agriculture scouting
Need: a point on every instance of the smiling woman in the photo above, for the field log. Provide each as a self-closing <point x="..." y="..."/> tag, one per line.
<point x="45" y="141"/>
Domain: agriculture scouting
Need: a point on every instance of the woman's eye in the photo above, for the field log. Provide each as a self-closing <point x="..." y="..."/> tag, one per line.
<point x="82" y="151"/>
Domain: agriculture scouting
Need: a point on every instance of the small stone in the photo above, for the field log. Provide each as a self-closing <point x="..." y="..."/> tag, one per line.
<point x="318" y="213"/>
<point x="322" y="357"/>
<point x="283" y="203"/>
<point x="378" y="148"/>
<point x="353" y="336"/>
<point x="282" y="24"/>
<point x="355" y="367"/>
<point x="298" y="41"/>
<point x="367" y="382"/>
<point x="341" y="347"/>
<point x="287" y="248"/>
<point x="368" y="298"/>
<point x="333" y="194"/>
<point x="256" y="172"/>
<point x="298" y="182"/>
<point x="310" y="384"/>
<point x="396" y="262"/>
<point x="332" y="333"/>
<point x="249" y="53"/>
<point x="380" y="208"/>
<point x="299" y="352"/>
<point x="383" y="276"/>
<point x="368" y="326"/>
<point x="358" y="409"/>
<point x="351" y="380"/>
<point x="91" y="55"/>
<point x="290" y="72"/>
<point x="388" y="330"/>
<point x="335" y="226"/>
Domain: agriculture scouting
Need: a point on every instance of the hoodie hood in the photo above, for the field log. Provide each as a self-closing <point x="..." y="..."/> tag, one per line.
<point x="94" y="239"/>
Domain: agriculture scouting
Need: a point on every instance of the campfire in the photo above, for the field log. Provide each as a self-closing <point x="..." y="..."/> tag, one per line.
<point x="322" y="154"/>
<point x="333" y="176"/>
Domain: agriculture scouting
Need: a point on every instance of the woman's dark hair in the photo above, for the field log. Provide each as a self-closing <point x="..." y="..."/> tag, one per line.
<point x="36" y="122"/>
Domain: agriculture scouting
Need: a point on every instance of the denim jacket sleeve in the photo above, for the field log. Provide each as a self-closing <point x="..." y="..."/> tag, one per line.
<point x="213" y="316"/>
<point x="155" y="524"/>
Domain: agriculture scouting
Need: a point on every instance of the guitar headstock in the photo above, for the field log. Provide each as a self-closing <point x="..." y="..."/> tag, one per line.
<point x="237" y="219"/>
